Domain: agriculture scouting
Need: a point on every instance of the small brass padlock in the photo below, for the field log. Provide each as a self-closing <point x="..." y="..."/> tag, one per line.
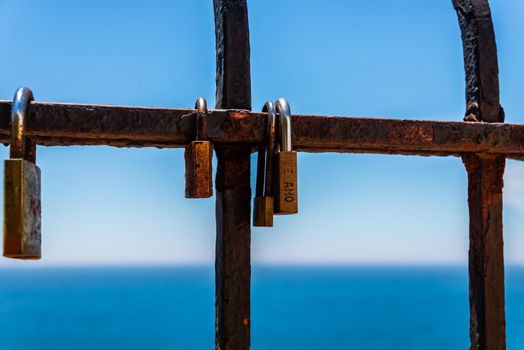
<point x="22" y="211"/>
<point x="198" y="157"/>
<point x="263" y="205"/>
<point x="286" y="190"/>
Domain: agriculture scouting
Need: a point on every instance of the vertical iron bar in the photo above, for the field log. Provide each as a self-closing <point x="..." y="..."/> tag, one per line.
<point x="486" y="260"/>
<point x="233" y="188"/>
<point x="485" y="180"/>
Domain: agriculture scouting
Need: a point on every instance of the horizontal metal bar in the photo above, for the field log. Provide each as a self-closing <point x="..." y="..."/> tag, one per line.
<point x="55" y="124"/>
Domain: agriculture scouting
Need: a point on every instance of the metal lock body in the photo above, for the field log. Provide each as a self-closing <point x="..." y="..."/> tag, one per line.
<point x="22" y="186"/>
<point x="286" y="189"/>
<point x="198" y="157"/>
<point x="263" y="210"/>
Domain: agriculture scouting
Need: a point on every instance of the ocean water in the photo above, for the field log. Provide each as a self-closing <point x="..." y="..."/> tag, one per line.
<point x="292" y="308"/>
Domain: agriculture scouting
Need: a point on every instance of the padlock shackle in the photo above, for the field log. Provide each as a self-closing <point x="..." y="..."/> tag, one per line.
<point x="23" y="96"/>
<point x="284" y="113"/>
<point x="269" y="108"/>
<point x="201" y="125"/>
<point x="201" y="105"/>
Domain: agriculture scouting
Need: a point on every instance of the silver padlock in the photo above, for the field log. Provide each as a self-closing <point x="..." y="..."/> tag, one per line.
<point x="22" y="211"/>
<point x="286" y="189"/>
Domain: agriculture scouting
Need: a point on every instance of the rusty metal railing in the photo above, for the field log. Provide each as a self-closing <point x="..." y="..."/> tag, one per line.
<point x="483" y="142"/>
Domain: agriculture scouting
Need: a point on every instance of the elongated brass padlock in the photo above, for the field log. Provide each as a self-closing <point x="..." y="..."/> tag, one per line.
<point x="22" y="212"/>
<point x="286" y="164"/>
<point x="263" y="205"/>
<point x="198" y="157"/>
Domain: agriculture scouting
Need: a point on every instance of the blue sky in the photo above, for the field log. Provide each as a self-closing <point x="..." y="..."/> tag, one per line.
<point x="383" y="58"/>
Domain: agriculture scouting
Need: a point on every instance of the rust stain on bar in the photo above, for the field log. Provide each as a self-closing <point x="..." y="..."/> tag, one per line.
<point x="238" y="115"/>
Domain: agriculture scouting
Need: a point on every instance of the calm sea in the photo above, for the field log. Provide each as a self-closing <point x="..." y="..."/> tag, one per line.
<point x="292" y="308"/>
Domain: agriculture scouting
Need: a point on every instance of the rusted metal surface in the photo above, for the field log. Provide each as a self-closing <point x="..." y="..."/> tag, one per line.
<point x="483" y="143"/>
<point x="233" y="185"/>
<point x="22" y="210"/>
<point x="233" y="248"/>
<point x="233" y="77"/>
<point x="198" y="157"/>
<point x="394" y="136"/>
<point x="57" y="124"/>
<point x="22" y="207"/>
<point x="486" y="258"/>
<point x="485" y="180"/>
<point x="480" y="59"/>
<point x="54" y="124"/>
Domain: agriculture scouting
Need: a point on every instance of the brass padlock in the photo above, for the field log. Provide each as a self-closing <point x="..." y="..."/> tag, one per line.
<point x="22" y="211"/>
<point x="286" y="189"/>
<point x="198" y="157"/>
<point x="263" y="205"/>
